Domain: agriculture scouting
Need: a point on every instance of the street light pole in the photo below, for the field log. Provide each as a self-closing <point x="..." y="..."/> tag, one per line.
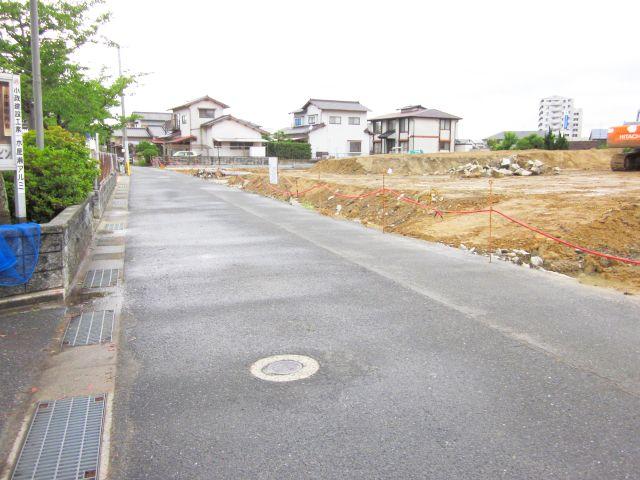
<point x="36" y="76"/>
<point x="125" y="141"/>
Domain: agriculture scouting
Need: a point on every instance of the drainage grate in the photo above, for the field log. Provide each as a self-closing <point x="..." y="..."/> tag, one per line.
<point x="90" y="328"/>
<point x="114" y="226"/>
<point x="63" y="442"/>
<point x="119" y="203"/>
<point x="101" y="278"/>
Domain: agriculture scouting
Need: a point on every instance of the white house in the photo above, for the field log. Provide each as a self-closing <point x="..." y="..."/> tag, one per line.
<point x="203" y="126"/>
<point x="414" y="128"/>
<point x="189" y="117"/>
<point x="334" y="128"/>
<point x="233" y="137"/>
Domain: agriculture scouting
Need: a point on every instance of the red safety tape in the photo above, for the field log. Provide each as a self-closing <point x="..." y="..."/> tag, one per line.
<point x="568" y="244"/>
<point x="440" y="213"/>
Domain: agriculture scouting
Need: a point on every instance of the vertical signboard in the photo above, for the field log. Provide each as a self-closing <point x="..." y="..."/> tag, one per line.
<point x="273" y="170"/>
<point x="11" y="146"/>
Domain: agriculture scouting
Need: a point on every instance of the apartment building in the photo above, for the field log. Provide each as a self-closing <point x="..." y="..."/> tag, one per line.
<point x="561" y="116"/>
<point x="414" y="129"/>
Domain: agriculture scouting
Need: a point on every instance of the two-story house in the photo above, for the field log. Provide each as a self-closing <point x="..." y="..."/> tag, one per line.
<point x="203" y="126"/>
<point x="334" y="128"/>
<point x="414" y="128"/>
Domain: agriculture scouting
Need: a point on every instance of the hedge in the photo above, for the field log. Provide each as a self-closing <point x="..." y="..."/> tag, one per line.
<point x="59" y="176"/>
<point x="289" y="150"/>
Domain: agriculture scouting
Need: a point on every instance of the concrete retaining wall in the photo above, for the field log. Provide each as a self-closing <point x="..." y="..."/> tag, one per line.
<point x="64" y="243"/>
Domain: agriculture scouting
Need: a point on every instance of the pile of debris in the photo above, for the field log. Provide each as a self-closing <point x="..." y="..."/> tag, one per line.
<point x="208" y="174"/>
<point x="517" y="256"/>
<point x="520" y="257"/>
<point x="506" y="167"/>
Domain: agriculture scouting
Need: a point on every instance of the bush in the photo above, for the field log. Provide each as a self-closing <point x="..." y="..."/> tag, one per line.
<point x="57" y="177"/>
<point x="287" y="149"/>
<point x="147" y="151"/>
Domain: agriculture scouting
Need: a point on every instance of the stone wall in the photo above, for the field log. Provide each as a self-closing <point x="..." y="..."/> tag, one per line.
<point x="64" y="243"/>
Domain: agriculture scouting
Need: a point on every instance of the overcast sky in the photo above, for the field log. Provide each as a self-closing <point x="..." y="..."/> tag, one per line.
<point x="488" y="62"/>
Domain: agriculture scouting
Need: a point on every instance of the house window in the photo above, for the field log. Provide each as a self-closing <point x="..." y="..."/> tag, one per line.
<point x="377" y="147"/>
<point x="240" y="145"/>
<point x="355" y="146"/>
<point x="377" y="127"/>
<point x="404" y="146"/>
<point x="312" y="119"/>
<point x="335" y="120"/>
<point x="217" y="144"/>
<point x="403" y="125"/>
<point x="445" y="146"/>
<point x="207" y="112"/>
<point x="184" y="119"/>
<point x="390" y="125"/>
<point x="297" y="121"/>
<point x="445" y="124"/>
<point x="354" y="120"/>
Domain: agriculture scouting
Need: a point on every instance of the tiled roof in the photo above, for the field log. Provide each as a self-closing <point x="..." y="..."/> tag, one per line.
<point x="348" y="105"/>
<point x="246" y="123"/>
<point x="519" y="134"/>
<point x="206" y="97"/>
<point x="421" y="113"/>
<point x="160" y="116"/>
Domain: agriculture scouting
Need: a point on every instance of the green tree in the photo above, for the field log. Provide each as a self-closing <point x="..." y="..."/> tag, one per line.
<point x="70" y="99"/>
<point x="57" y="177"/>
<point x="147" y="150"/>
<point x="561" y="143"/>
<point x="549" y="140"/>
<point x="509" y="141"/>
<point x="530" y="142"/>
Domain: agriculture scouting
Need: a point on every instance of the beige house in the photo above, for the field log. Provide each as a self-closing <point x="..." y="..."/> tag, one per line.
<point x="414" y="128"/>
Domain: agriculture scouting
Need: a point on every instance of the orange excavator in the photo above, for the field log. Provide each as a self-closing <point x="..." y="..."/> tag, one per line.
<point x="626" y="136"/>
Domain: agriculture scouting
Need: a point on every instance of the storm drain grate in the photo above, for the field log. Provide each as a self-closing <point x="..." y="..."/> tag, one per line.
<point x="101" y="278"/>
<point x="90" y="328"/>
<point x="114" y="226"/>
<point x="63" y="442"/>
<point x="119" y="203"/>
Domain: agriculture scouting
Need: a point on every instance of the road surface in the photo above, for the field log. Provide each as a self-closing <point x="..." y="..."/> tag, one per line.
<point x="433" y="363"/>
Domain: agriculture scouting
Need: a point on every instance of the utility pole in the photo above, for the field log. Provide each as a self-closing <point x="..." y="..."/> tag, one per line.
<point x="125" y="142"/>
<point x="37" y="77"/>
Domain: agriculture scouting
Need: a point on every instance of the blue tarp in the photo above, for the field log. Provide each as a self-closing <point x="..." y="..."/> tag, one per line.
<point x="19" y="251"/>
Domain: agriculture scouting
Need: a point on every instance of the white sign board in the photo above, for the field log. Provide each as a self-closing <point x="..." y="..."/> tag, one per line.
<point x="273" y="170"/>
<point x="11" y="146"/>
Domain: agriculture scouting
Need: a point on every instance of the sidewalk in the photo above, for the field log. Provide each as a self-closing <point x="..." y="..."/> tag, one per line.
<point x="26" y="339"/>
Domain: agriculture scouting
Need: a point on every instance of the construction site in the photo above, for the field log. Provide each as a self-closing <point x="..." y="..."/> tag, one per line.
<point x="572" y="196"/>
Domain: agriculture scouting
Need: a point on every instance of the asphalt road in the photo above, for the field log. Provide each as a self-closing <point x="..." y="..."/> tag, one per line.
<point x="433" y="363"/>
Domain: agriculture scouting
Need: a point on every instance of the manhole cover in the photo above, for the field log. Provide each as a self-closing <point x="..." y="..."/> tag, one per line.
<point x="284" y="368"/>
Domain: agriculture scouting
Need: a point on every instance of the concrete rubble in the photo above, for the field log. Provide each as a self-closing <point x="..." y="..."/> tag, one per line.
<point x="519" y="257"/>
<point x="207" y="174"/>
<point x="505" y="167"/>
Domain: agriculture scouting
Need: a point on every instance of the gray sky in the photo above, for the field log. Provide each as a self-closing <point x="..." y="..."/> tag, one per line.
<point x="489" y="62"/>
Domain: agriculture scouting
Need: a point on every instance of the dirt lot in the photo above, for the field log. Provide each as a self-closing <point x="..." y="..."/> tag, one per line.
<point x="586" y="204"/>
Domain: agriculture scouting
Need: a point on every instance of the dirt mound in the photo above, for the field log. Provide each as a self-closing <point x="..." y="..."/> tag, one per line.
<point x="442" y="162"/>
<point x="343" y="165"/>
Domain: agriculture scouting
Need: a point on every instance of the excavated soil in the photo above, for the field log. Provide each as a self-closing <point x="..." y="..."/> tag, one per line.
<point x="596" y="159"/>
<point x="599" y="210"/>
